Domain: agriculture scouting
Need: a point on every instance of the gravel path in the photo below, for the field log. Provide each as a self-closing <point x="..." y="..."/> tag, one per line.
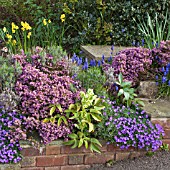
<point x="159" y="161"/>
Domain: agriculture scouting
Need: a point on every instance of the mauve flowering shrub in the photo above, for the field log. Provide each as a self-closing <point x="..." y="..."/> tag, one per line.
<point x="10" y="134"/>
<point x="161" y="55"/>
<point x="39" y="86"/>
<point x="129" y="127"/>
<point x="133" y="63"/>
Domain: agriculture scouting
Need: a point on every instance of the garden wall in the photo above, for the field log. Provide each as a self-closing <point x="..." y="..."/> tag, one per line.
<point x="55" y="156"/>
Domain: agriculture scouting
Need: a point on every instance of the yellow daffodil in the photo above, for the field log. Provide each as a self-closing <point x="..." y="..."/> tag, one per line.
<point x="14" y="27"/>
<point x="49" y="21"/>
<point x="4" y="30"/>
<point x="14" y="42"/>
<point x="44" y="22"/>
<point x="25" y="26"/>
<point x="9" y="36"/>
<point x="29" y="34"/>
<point x="62" y="17"/>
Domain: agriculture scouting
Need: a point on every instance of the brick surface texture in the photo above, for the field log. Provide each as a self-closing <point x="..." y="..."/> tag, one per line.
<point x="52" y="161"/>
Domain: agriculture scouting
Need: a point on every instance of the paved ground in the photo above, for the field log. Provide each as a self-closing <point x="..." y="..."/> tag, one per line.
<point x="159" y="161"/>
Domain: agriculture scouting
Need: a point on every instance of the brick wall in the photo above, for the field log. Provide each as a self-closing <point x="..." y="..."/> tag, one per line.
<point x="55" y="156"/>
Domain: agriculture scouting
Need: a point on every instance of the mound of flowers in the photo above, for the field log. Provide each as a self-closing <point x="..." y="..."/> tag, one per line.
<point x="38" y="88"/>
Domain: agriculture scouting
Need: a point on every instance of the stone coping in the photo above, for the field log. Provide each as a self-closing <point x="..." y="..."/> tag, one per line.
<point x="157" y="108"/>
<point x="96" y="51"/>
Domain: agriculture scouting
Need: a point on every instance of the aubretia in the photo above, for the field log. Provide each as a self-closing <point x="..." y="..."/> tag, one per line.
<point x="10" y="134"/>
<point x="129" y="127"/>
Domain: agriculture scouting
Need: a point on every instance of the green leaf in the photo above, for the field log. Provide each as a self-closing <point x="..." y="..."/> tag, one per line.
<point x="99" y="107"/>
<point x="75" y="144"/>
<point x="91" y="127"/>
<point x="72" y="106"/>
<point x="96" y="117"/>
<point x="120" y="92"/>
<point x="93" y="147"/>
<point x="59" y="121"/>
<point x="80" y="143"/>
<point x="52" y="120"/>
<point x="86" y="144"/>
<point x="95" y="111"/>
<point x="120" y="77"/>
<point x="140" y="102"/>
<point x="65" y="120"/>
<point x="94" y="140"/>
<point x="70" y="142"/>
<point x="127" y="95"/>
<point x="46" y="120"/>
<point x="124" y="84"/>
<point x="73" y="136"/>
<point x="97" y="101"/>
<point x="52" y="110"/>
<point x="59" y="107"/>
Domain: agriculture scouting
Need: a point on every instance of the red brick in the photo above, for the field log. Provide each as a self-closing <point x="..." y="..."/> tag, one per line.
<point x="164" y="122"/>
<point x="52" y="150"/>
<point x="75" y="159"/>
<point x="53" y="168"/>
<point x="32" y="168"/>
<point x="98" y="158"/>
<point x="167" y="134"/>
<point x="69" y="150"/>
<point x="75" y="167"/>
<point x="52" y="160"/>
<point x="113" y="148"/>
<point x="28" y="162"/>
<point x="122" y="155"/>
<point x="32" y="152"/>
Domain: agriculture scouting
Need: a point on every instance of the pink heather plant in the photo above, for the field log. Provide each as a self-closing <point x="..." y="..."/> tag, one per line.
<point x="38" y="87"/>
<point x="133" y="63"/>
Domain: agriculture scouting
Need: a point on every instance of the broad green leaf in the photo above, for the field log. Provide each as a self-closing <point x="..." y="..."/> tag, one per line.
<point x="95" y="111"/>
<point x="96" y="117"/>
<point x="73" y="136"/>
<point x="75" y="144"/>
<point x="93" y="147"/>
<point x="59" y="121"/>
<point x="140" y="102"/>
<point x="52" y="120"/>
<point x="80" y="134"/>
<point x="72" y="106"/>
<point x="99" y="107"/>
<point x="59" y="107"/>
<point x="120" y="77"/>
<point x="124" y="84"/>
<point x="97" y="101"/>
<point x="126" y="94"/>
<point x="93" y="140"/>
<point x="86" y="144"/>
<point x="52" y="110"/>
<point x="70" y="142"/>
<point x="80" y="143"/>
<point x="91" y="127"/>
<point x="120" y="92"/>
<point x="65" y="120"/>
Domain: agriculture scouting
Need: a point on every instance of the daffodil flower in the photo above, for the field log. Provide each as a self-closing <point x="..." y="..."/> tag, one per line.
<point x="44" y="22"/>
<point x="14" y="27"/>
<point x="4" y="30"/>
<point x="49" y="21"/>
<point x="29" y="34"/>
<point x="9" y="36"/>
<point x="62" y="17"/>
<point x="25" y="26"/>
<point x="14" y="42"/>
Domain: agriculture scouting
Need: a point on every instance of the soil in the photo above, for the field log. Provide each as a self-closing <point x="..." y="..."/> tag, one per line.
<point x="159" y="161"/>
